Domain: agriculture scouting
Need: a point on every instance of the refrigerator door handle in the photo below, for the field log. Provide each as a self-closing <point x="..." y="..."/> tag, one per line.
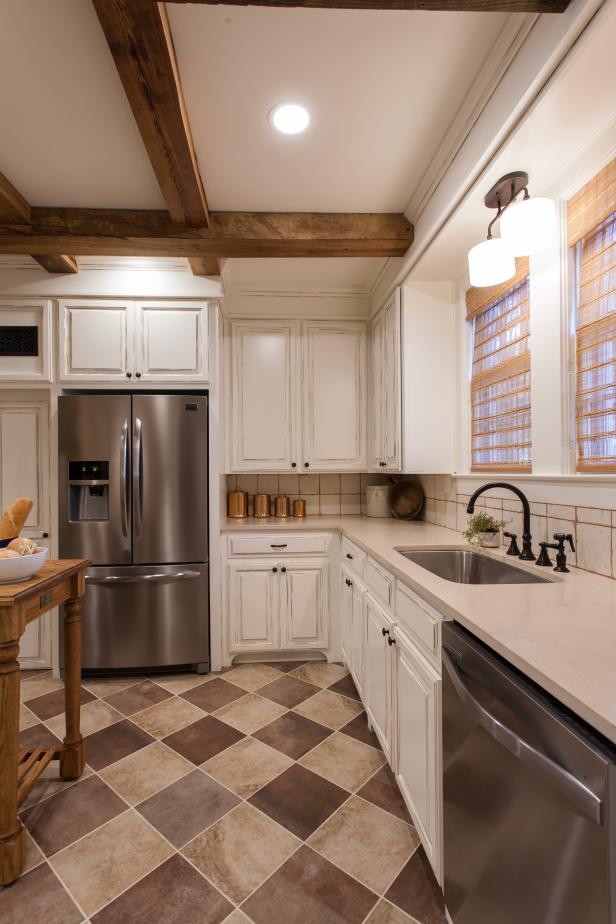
<point x="144" y="578"/>
<point x="570" y="786"/>
<point x="124" y="479"/>
<point x="138" y="475"/>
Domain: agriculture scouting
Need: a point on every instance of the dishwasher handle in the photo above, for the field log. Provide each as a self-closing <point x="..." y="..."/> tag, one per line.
<point x="572" y="788"/>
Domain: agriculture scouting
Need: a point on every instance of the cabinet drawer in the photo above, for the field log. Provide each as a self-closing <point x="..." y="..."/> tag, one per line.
<point x="353" y="557"/>
<point x="380" y="582"/>
<point x="415" y="615"/>
<point x="279" y="544"/>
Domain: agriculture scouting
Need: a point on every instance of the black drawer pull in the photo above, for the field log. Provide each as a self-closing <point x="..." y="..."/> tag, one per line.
<point x="280" y="545"/>
<point x="348" y="555"/>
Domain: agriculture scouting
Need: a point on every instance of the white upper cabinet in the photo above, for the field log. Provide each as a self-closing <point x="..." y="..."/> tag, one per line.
<point x="113" y="340"/>
<point x="334" y="396"/>
<point x="386" y="392"/>
<point x="263" y="420"/>
<point x="25" y="340"/>
<point x="297" y="396"/>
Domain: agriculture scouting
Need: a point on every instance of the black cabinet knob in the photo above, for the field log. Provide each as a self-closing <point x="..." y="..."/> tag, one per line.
<point x="274" y="570"/>
<point x="293" y="464"/>
<point x="306" y="464"/>
<point x="391" y="641"/>
<point x="129" y="375"/>
<point x="284" y="570"/>
<point x="348" y="555"/>
<point x="45" y="535"/>
<point x="138" y="374"/>
<point x="348" y="583"/>
<point x="385" y="631"/>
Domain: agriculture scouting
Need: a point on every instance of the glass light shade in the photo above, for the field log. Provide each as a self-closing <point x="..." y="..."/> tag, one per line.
<point x="490" y="262"/>
<point x="528" y="225"/>
<point x="290" y="118"/>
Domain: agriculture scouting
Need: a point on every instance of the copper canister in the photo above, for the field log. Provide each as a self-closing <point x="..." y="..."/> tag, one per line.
<point x="299" y="508"/>
<point x="281" y="506"/>
<point x="237" y="504"/>
<point x="262" y="505"/>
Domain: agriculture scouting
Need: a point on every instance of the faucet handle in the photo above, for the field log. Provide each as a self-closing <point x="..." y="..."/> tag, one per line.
<point x="561" y="538"/>
<point x="513" y="546"/>
<point x="543" y="558"/>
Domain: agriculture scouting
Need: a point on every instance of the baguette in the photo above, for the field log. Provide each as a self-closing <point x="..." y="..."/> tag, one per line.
<point x="14" y="517"/>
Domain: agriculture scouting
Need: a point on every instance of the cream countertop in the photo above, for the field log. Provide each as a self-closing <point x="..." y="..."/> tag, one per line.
<point x="561" y="634"/>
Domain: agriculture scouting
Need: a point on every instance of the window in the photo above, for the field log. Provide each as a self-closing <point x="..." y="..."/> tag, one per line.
<point x="591" y="221"/>
<point x="500" y="375"/>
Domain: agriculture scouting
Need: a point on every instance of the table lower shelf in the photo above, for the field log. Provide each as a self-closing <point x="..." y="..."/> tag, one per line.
<point x="31" y="763"/>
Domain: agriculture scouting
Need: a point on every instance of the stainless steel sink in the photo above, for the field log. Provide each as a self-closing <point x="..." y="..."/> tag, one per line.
<point x="463" y="566"/>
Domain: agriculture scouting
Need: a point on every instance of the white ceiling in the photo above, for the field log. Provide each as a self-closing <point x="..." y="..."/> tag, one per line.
<point x="381" y="87"/>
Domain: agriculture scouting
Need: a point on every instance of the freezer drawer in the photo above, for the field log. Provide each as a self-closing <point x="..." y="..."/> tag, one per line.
<point x="146" y="617"/>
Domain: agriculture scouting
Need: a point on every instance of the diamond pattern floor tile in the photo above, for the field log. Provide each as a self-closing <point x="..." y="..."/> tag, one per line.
<point x="299" y="799"/>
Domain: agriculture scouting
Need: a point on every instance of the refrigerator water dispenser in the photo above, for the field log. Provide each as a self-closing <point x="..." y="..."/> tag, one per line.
<point x="88" y="491"/>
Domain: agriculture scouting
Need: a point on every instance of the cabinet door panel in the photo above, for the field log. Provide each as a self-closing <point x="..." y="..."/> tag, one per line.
<point x="96" y="340"/>
<point x="378" y="673"/>
<point x="253" y="607"/>
<point x="392" y="394"/>
<point x="264" y="396"/>
<point x="173" y="342"/>
<point x="305" y="620"/>
<point x="378" y="421"/>
<point x="358" y="636"/>
<point x="334" y="395"/>
<point x="346" y="610"/>
<point x="24" y="460"/>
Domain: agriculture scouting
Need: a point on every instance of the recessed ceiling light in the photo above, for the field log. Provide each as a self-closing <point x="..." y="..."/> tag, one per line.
<point x="290" y="118"/>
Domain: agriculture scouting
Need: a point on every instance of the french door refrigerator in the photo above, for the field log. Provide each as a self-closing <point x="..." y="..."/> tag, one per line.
<point x="133" y="488"/>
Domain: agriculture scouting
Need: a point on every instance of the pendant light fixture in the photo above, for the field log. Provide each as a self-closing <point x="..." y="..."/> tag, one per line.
<point x="526" y="226"/>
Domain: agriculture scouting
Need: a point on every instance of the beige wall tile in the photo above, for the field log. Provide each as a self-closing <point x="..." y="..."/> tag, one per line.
<point x="561" y="511"/>
<point x="594" y="548"/>
<point x="594" y="515"/>
<point x="451" y="521"/>
<point x="308" y="484"/>
<point x="350" y="484"/>
<point x="267" y="484"/>
<point x="439" y="512"/>
<point x="330" y="504"/>
<point x="329" y="484"/>
<point x="313" y="507"/>
<point x="288" y="484"/>
<point x="247" y="483"/>
<point x="350" y="504"/>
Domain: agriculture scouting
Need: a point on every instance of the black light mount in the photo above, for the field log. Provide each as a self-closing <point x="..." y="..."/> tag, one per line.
<point x="504" y="192"/>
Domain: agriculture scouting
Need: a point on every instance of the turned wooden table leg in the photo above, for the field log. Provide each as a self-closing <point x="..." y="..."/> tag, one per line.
<point x="72" y="758"/>
<point x="12" y="833"/>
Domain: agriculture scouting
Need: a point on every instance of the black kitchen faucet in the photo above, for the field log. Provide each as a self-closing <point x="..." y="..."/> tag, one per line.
<point x="527" y="553"/>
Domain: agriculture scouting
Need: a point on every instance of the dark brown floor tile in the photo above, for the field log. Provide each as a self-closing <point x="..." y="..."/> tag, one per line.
<point x="203" y="739"/>
<point x="288" y="691"/>
<point x="50" y="704"/>
<point x="113" y="743"/>
<point x="284" y="666"/>
<point x="185" y="808"/>
<point x="346" y="687"/>
<point x="67" y="816"/>
<point x="417" y="892"/>
<point x="358" y="728"/>
<point x="38" y="736"/>
<point x="213" y="695"/>
<point x="300" y="800"/>
<point x="382" y="790"/>
<point x="308" y="889"/>
<point x="137" y="697"/>
<point x="173" y="893"/>
<point x="38" y="898"/>
<point x="293" y="735"/>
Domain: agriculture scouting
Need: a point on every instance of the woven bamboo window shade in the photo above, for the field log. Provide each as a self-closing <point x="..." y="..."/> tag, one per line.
<point x="591" y="227"/>
<point x="500" y="377"/>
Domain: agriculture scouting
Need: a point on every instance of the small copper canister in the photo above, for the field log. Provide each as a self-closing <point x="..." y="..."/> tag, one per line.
<point x="262" y="506"/>
<point x="299" y="508"/>
<point x="281" y="506"/>
<point x="237" y="504"/>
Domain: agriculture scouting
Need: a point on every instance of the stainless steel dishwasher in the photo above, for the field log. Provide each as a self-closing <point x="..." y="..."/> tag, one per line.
<point x="527" y="791"/>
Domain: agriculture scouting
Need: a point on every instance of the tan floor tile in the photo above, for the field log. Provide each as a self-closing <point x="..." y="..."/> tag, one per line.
<point x="240" y="851"/>
<point x="366" y="842"/>
<point x="238" y="917"/>
<point x="49" y="783"/>
<point x="321" y="673"/>
<point x="180" y="683"/>
<point x="26" y="718"/>
<point x="251" y="676"/>
<point x="167" y="717"/>
<point x="109" y="860"/>
<point x="344" y="761"/>
<point x="386" y="913"/>
<point x="37" y="686"/>
<point x="329" y="709"/>
<point x="247" y="766"/>
<point x="250" y="713"/>
<point x="105" y="686"/>
<point x="94" y="716"/>
<point x="145" y="772"/>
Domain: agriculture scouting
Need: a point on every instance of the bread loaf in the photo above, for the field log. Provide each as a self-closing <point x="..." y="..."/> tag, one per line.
<point x="22" y="546"/>
<point x="14" y="517"/>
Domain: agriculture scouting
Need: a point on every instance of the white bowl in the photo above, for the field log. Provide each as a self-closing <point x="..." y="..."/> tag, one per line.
<point x="23" y="567"/>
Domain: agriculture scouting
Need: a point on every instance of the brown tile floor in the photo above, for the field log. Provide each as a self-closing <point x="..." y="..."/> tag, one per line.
<point x="258" y="795"/>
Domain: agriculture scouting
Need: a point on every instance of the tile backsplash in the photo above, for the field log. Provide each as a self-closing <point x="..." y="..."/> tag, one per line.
<point x="324" y="494"/>
<point x="593" y="528"/>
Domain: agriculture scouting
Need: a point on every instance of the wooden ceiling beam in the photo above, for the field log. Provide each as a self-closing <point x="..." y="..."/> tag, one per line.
<point x="14" y="208"/>
<point x="140" y="41"/>
<point x="473" y="6"/>
<point x="229" y="234"/>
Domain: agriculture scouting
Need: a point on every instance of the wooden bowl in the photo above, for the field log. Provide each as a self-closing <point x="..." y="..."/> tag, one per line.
<point x="406" y="500"/>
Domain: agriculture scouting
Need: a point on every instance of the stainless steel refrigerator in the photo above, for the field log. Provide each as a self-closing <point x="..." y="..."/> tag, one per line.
<point x="133" y="488"/>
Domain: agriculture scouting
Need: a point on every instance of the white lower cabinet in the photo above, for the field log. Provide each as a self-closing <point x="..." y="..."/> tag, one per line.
<point x="418" y="761"/>
<point x="358" y="635"/>
<point x="304" y="621"/>
<point x="253" y="606"/>
<point x="378" y="686"/>
<point x="346" y="613"/>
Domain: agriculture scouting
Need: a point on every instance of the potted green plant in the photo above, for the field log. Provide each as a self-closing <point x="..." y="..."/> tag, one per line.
<point x="483" y="530"/>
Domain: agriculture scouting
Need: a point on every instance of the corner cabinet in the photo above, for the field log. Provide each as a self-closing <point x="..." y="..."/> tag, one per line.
<point x="296" y="396"/>
<point x="386" y="390"/>
<point x="124" y="340"/>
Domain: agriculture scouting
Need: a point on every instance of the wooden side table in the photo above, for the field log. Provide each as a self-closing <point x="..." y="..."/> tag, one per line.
<point x="56" y="583"/>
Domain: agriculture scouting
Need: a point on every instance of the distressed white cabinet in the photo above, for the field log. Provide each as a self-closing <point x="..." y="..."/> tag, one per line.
<point x="253" y="606"/>
<point x="334" y="396"/>
<point x="25" y="327"/>
<point x="346" y="613"/>
<point x="358" y="634"/>
<point x="386" y="390"/>
<point x="418" y="749"/>
<point x="264" y="414"/>
<point x="304" y="615"/>
<point x="171" y="342"/>
<point x="378" y="687"/>
<point x="297" y="396"/>
<point x="118" y="340"/>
